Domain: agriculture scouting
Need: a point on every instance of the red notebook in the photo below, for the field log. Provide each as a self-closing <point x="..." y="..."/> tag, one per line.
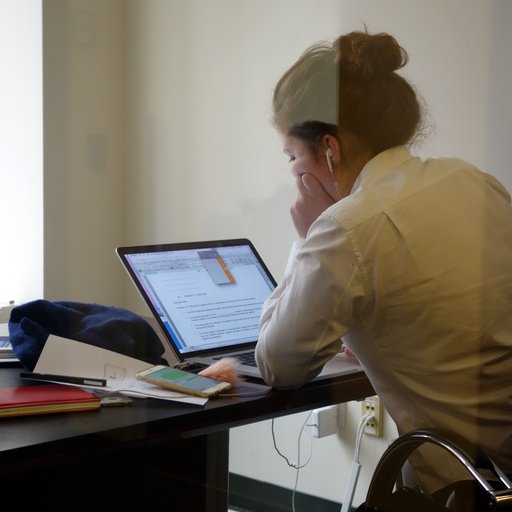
<point x="44" y="399"/>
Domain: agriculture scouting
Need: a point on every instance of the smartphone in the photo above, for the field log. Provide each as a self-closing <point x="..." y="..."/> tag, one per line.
<point x="184" y="382"/>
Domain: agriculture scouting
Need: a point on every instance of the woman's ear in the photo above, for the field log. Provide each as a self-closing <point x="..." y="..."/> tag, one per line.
<point x="331" y="148"/>
<point x="332" y="158"/>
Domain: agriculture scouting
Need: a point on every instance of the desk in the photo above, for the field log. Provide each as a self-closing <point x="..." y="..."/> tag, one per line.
<point x="172" y="455"/>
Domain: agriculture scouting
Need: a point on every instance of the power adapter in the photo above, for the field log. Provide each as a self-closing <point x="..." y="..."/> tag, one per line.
<point x="324" y="421"/>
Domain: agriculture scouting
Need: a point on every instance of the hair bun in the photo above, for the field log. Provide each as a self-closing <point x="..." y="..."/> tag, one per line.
<point x="365" y="56"/>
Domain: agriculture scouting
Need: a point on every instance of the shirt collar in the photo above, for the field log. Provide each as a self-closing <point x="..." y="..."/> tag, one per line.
<point x="381" y="164"/>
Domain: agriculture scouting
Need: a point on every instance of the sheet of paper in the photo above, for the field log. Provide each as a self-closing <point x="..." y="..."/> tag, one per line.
<point x="4" y="329"/>
<point x="5" y="344"/>
<point x="6" y="350"/>
<point x="62" y="356"/>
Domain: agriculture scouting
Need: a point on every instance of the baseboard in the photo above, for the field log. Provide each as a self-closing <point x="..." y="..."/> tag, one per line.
<point x="247" y="494"/>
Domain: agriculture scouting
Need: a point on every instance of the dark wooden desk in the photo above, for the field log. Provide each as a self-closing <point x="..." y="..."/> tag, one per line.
<point x="154" y="451"/>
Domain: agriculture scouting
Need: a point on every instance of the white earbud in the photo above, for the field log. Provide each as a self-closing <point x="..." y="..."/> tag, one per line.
<point x="328" y="157"/>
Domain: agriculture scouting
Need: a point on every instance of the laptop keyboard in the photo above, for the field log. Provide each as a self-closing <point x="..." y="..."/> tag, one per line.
<point x="245" y="358"/>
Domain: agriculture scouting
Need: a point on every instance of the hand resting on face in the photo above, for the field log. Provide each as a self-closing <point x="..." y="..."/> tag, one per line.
<point x="311" y="200"/>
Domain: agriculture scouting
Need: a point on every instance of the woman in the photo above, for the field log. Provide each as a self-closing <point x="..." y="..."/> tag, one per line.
<point x="409" y="261"/>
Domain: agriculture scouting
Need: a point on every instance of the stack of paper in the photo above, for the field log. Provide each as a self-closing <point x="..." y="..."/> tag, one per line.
<point x="63" y="356"/>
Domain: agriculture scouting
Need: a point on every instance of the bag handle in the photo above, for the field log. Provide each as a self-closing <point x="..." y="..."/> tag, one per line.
<point x="391" y="462"/>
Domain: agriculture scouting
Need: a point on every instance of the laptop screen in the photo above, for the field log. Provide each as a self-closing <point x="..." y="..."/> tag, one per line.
<point x="206" y="296"/>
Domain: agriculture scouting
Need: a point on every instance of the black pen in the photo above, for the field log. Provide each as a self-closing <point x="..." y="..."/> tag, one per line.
<point x="65" y="379"/>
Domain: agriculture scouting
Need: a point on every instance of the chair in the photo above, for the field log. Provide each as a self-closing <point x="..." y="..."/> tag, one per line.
<point x="492" y="492"/>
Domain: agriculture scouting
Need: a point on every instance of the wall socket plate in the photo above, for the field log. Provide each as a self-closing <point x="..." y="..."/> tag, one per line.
<point x="372" y="404"/>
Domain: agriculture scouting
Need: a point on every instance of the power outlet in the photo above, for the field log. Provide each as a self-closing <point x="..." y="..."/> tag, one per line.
<point x="373" y="426"/>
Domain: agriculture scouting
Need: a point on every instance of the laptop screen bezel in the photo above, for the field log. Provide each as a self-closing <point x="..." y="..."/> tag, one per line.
<point x="124" y="252"/>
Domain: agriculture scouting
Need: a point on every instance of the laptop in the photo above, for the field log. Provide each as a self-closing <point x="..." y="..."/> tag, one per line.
<point x="207" y="297"/>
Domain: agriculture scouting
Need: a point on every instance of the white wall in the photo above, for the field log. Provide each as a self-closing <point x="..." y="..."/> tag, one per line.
<point x="203" y="159"/>
<point x="21" y="151"/>
<point x="195" y="157"/>
<point x="498" y="115"/>
<point x="84" y="141"/>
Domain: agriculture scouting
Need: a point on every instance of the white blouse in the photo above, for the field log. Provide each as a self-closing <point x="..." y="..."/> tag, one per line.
<point x="414" y="271"/>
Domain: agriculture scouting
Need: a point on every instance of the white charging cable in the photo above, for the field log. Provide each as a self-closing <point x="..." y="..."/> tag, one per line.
<point x="356" y="466"/>
<point x="298" y="465"/>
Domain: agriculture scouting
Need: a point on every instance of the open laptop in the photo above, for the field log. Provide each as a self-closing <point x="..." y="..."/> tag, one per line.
<point x="206" y="298"/>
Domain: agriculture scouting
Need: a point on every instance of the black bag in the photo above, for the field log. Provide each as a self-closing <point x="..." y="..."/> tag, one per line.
<point x="478" y="494"/>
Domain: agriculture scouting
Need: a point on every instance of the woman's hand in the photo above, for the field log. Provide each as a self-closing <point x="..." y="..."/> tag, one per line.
<point x="312" y="199"/>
